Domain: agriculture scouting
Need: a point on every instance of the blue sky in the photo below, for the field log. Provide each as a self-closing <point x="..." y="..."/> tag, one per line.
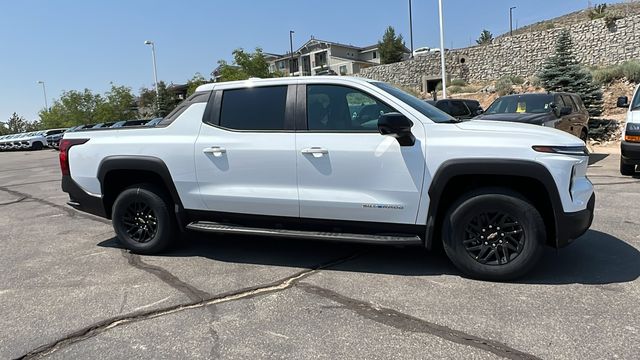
<point x="72" y="44"/>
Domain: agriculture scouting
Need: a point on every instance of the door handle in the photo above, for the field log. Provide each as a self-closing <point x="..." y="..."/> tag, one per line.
<point x="315" y="151"/>
<point x="216" y="151"/>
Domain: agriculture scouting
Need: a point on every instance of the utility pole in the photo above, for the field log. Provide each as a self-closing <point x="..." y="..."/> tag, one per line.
<point x="442" y="62"/>
<point x="411" y="28"/>
<point x="511" y="20"/>
<point x="44" y="91"/>
<point x="291" y="32"/>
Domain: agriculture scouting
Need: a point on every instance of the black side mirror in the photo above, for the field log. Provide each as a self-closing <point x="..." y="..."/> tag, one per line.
<point x="398" y="126"/>
<point x="479" y="111"/>
<point x="565" y="110"/>
<point x="623" y="102"/>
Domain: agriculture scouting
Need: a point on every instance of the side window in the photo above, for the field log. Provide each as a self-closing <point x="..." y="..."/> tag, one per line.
<point x="444" y="106"/>
<point x="569" y="102"/>
<point x="579" y="103"/>
<point x="260" y="108"/>
<point x="458" y="108"/>
<point x="560" y="102"/>
<point x="340" y="108"/>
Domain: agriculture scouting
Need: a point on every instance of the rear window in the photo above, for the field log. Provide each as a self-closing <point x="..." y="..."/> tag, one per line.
<point x="261" y="108"/>
<point x="530" y="103"/>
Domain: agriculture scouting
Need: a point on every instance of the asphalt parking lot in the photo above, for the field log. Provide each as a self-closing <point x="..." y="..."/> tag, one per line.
<point x="67" y="289"/>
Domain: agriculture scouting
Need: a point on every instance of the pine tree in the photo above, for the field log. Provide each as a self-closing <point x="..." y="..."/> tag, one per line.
<point x="391" y="47"/>
<point x="562" y="72"/>
<point x="486" y="38"/>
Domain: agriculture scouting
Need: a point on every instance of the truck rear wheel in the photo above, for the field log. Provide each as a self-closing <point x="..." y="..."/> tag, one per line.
<point x="142" y="219"/>
<point x="493" y="234"/>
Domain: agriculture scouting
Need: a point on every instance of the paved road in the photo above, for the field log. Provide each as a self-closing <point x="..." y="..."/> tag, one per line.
<point x="67" y="290"/>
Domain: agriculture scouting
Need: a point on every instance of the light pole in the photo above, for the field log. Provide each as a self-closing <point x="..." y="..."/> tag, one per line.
<point x="44" y="91"/>
<point x="442" y="63"/>
<point x="291" y="32"/>
<point x="511" y="20"/>
<point x="155" y="70"/>
<point x="411" y="28"/>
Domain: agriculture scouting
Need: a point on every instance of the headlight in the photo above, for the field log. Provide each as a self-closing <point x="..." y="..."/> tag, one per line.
<point x="565" y="150"/>
<point x="632" y="134"/>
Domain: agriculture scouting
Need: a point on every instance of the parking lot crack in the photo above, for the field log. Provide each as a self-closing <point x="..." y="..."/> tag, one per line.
<point x="20" y="199"/>
<point x="246" y="293"/>
<point x="404" y="322"/>
<point x="69" y="211"/>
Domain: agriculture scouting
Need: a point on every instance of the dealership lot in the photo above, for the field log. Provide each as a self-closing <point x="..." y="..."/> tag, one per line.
<point x="68" y="290"/>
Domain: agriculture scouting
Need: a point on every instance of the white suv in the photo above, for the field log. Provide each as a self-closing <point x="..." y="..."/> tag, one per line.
<point x="336" y="158"/>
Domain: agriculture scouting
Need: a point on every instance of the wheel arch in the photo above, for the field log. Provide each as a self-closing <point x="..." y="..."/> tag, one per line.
<point x="456" y="177"/>
<point x="118" y="172"/>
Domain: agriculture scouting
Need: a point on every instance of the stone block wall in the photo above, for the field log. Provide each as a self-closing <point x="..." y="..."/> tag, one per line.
<point x="594" y="44"/>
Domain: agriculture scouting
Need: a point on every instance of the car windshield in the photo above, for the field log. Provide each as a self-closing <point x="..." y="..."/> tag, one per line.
<point x="635" y="104"/>
<point x="529" y="104"/>
<point x="430" y="111"/>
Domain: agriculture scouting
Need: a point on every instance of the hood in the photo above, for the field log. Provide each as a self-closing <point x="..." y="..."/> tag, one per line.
<point x="529" y="133"/>
<point x="634" y="116"/>
<point x="518" y="117"/>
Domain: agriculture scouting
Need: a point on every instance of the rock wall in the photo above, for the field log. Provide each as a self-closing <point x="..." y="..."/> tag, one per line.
<point x="594" y="44"/>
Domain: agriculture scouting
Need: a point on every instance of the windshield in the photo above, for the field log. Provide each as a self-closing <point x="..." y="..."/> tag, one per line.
<point x="635" y="104"/>
<point x="431" y="112"/>
<point x="529" y="104"/>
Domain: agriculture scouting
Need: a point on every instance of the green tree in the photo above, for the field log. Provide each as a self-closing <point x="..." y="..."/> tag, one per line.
<point x="73" y="108"/>
<point x="245" y="65"/>
<point x="195" y="81"/>
<point x="16" y="124"/>
<point x="599" y="11"/>
<point x="562" y="72"/>
<point x="486" y="38"/>
<point x="391" y="47"/>
<point x="119" y="104"/>
<point x="150" y="105"/>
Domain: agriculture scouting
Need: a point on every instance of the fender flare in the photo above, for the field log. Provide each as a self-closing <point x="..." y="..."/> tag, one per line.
<point x="466" y="167"/>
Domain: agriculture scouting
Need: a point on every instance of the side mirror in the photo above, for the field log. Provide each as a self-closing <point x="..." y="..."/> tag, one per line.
<point x="623" y="102"/>
<point x="565" y="110"/>
<point x="398" y="126"/>
<point x="479" y="111"/>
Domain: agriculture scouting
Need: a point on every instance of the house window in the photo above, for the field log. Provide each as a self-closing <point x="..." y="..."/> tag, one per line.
<point x="375" y="54"/>
<point x="343" y="69"/>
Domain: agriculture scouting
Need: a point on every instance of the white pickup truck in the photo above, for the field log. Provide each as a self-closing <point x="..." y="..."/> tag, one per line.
<point x="336" y="159"/>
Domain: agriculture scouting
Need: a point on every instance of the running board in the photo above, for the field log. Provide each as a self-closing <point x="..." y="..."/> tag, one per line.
<point x="395" y="239"/>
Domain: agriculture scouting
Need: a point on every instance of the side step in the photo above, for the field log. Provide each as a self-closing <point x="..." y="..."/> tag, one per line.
<point x="395" y="239"/>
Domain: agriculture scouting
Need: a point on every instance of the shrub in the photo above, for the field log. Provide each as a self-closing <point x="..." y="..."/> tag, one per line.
<point x="517" y="79"/>
<point x="631" y="70"/>
<point x="457" y="82"/>
<point x="504" y="86"/>
<point x="454" y="89"/>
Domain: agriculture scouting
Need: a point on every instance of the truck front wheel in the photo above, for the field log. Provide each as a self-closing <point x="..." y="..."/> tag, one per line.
<point x="142" y="219"/>
<point x="493" y="234"/>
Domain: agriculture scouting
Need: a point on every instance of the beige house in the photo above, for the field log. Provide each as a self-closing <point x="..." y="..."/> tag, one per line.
<point x="319" y="57"/>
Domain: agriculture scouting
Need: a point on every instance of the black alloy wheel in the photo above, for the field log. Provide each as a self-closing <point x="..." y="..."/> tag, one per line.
<point x="494" y="238"/>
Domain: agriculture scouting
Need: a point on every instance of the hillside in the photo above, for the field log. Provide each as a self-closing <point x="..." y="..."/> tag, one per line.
<point x="625" y="8"/>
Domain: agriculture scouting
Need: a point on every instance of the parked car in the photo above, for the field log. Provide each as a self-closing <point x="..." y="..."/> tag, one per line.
<point x="153" y="122"/>
<point x="462" y="109"/>
<point x="248" y="157"/>
<point x="563" y="111"/>
<point x="103" y="125"/>
<point x="630" y="145"/>
<point x="126" y="123"/>
<point x="27" y="141"/>
<point x="421" y="51"/>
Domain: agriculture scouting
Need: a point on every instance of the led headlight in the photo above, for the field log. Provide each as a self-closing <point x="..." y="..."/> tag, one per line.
<point x="565" y="150"/>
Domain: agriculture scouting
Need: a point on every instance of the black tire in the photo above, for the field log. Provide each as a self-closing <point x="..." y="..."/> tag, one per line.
<point x="497" y="256"/>
<point x="37" y="146"/>
<point x="627" y="169"/>
<point x="143" y="220"/>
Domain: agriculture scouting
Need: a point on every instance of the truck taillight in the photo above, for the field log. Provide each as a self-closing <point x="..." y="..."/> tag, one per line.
<point x="65" y="145"/>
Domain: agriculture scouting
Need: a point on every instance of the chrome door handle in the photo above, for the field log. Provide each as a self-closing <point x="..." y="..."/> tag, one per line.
<point x="216" y="151"/>
<point x="315" y="151"/>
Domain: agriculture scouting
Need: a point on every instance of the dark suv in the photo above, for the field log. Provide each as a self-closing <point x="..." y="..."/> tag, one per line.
<point x="563" y="111"/>
<point x="462" y="109"/>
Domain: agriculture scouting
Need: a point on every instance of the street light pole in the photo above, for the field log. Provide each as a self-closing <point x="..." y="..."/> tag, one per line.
<point x="291" y="32"/>
<point x="411" y="28"/>
<point x="155" y="70"/>
<point x="511" y="20"/>
<point x="44" y="91"/>
<point x="442" y="62"/>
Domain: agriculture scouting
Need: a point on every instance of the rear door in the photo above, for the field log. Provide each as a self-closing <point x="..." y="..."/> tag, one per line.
<point x="245" y="154"/>
<point x="564" y="122"/>
<point x="347" y="170"/>
<point x="575" y="118"/>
